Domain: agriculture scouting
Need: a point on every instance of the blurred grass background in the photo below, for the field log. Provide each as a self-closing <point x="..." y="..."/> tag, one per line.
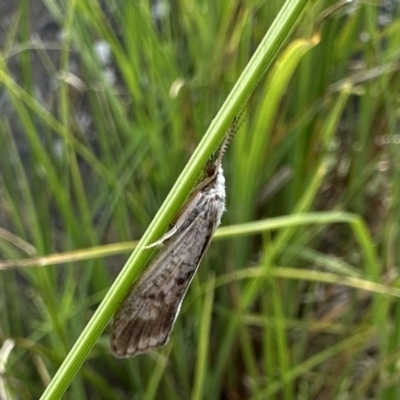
<point x="102" y="104"/>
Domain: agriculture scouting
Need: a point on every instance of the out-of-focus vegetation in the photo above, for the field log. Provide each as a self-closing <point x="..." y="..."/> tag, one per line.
<point x="102" y="105"/>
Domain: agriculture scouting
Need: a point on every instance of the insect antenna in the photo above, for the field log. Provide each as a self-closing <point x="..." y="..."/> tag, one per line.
<point x="234" y="126"/>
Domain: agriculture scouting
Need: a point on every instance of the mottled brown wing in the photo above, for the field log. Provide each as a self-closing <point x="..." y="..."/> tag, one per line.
<point x="147" y="315"/>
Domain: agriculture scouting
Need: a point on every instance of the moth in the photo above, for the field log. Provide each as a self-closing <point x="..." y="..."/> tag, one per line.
<point x="147" y="315"/>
